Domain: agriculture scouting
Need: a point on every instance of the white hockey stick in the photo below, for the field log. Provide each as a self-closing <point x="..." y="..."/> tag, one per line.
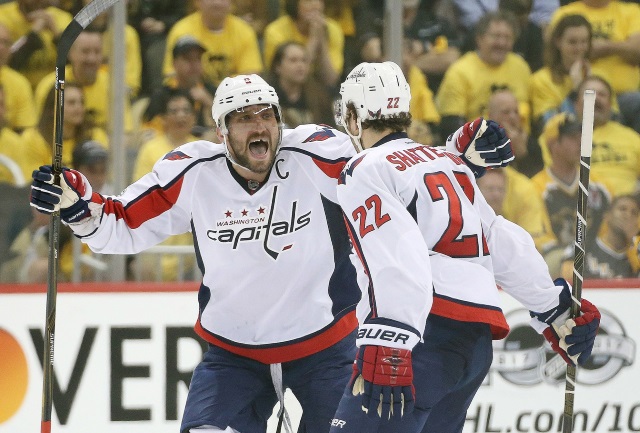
<point x="82" y="19"/>
<point x="586" y="144"/>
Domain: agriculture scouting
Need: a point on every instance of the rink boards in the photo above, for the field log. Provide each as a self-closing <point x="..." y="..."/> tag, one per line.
<point x="124" y="353"/>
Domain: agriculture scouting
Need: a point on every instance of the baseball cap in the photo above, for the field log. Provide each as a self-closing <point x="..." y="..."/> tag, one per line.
<point x="186" y="43"/>
<point x="561" y="125"/>
<point x="571" y="125"/>
<point x="89" y="152"/>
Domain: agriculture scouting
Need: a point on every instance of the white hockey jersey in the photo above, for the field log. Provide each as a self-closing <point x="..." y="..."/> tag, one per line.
<point x="278" y="281"/>
<point x="431" y="244"/>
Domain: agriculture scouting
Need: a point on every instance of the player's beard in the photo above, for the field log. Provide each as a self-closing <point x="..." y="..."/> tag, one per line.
<point x="256" y="145"/>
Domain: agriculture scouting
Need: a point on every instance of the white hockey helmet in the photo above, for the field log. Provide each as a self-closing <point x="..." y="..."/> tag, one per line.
<point x="240" y="91"/>
<point x="377" y="90"/>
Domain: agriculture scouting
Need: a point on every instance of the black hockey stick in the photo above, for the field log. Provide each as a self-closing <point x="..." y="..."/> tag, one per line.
<point x="579" y="248"/>
<point x="82" y="19"/>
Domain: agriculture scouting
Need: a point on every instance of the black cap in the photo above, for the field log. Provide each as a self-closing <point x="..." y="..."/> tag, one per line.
<point x="185" y="44"/>
<point x="571" y="125"/>
<point x="89" y="152"/>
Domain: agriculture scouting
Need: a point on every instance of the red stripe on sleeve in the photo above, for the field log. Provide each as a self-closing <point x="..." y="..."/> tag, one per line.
<point x="147" y="207"/>
<point x="331" y="169"/>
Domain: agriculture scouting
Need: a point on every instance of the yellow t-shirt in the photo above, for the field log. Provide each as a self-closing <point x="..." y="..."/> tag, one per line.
<point x="615" y="22"/>
<point x="284" y="30"/>
<point x="43" y="61"/>
<point x="615" y="157"/>
<point x="466" y="87"/>
<point x="522" y="205"/>
<point x="132" y="57"/>
<point x="151" y="151"/>
<point x="422" y="106"/>
<point x="37" y="149"/>
<point x="546" y="94"/>
<point x="232" y="51"/>
<point x="20" y="111"/>
<point x="96" y="98"/>
<point x="11" y="147"/>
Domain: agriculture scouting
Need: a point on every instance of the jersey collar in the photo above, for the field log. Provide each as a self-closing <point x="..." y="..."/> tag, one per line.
<point x="391" y="137"/>
<point x="250" y="186"/>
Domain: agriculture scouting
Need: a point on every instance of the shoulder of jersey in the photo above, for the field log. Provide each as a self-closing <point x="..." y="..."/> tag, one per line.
<point x="314" y="138"/>
<point x="189" y="155"/>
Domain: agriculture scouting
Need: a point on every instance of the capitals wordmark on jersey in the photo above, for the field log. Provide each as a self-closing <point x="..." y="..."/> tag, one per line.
<point x="258" y="225"/>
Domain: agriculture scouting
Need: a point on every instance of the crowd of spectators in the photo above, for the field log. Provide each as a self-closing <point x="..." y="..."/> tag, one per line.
<point x="522" y="63"/>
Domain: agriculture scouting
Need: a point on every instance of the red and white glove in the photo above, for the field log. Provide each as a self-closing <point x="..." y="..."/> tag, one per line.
<point x="383" y="375"/>
<point x="573" y="339"/>
<point x="481" y="144"/>
<point x="71" y="197"/>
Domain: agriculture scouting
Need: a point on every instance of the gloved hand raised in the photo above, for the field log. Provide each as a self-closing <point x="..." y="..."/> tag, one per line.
<point x="71" y="198"/>
<point x="481" y="144"/>
<point x="383" y="375"/>
<point x="573" y="339"/>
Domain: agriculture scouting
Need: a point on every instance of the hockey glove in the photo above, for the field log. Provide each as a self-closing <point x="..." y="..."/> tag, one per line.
<point x="482" y="144"/>
<point x="572" y="339"/>
<point x="71" y="197"/>
<point x="384" y="378"/>
<point x="382" y="371"/>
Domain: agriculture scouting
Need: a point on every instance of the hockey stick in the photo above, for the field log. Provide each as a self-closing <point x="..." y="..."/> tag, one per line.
<point x="82" y="19"/>
<point x="579" y="248"/>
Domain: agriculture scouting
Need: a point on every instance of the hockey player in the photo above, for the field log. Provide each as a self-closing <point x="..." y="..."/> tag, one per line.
<point x="278" y="295"/>
<point x="433" y="250"/>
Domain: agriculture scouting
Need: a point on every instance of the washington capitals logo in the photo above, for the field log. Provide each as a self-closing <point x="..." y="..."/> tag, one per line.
<point x="176" y="155"/>
<point x="322" y="135"/>
<point x="375" y="114"/>
<point x="348" y="170"/>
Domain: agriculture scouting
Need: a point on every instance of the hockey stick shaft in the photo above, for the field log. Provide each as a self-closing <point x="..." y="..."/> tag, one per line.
<point x="586" y="144"/>
<point x="83" y="18"/>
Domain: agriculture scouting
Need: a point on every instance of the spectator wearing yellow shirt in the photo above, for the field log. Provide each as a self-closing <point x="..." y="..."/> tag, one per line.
<point x="566" y="65"/>
<point x="11" y="150"/>
<point x="231" y="43"/>
<point x="513" y="195"/>
<point x="35" y="27"/>
<point x="178" y="117"/>
<point x="616" y="148"/>
<point x="503" y="108"/>
<point x="188" y="75"/>
<point x="132" y="55"/>
<point x="20" y="111"/>
<point x="85" y="68"/>
<point x="306" y="23"/>
<point x="77" y="127"/>
<point x="558" y="186"/>
<point x="615" y="51"/>
<point x="467" y="84"/>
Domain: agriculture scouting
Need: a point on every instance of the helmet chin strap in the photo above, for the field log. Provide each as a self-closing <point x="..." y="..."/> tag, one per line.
<point x="355" y="139"/>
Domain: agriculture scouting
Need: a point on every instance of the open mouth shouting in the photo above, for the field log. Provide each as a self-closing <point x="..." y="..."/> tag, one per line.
<point x="258" y="148"/>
